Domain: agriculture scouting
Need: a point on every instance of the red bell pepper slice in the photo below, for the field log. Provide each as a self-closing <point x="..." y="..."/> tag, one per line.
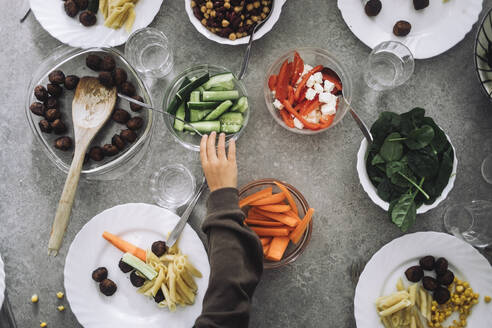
<point x="290" y="97"/>
<point x="307" y="124"/>
<point x="298" y="68"/>
<point x="326" y="121"/>
<point x="272" y="82"/>
<point x="281" y="92"/>
<point x="330" y="75"/>
<point x="288" y="120"/>
<point x="308" y="108"/>
<point x="304" y="80"/>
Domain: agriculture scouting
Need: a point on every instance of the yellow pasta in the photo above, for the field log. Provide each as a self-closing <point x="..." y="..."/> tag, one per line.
<point x="118" y="13"/>
<point x="158" y="282"/>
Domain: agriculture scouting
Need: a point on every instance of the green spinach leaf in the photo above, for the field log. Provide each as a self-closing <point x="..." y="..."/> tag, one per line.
<point x="394" y="167"/>
<point x="440" y="142"/>
<point x="391" y="150"/>
<point x="404" y="212"/>
<point x="377" y="159"/>
<point x="386" y="123"/>
<point x="420" y="137"/>
<point x="411" y="120"/>
<point x="424" y="162"/>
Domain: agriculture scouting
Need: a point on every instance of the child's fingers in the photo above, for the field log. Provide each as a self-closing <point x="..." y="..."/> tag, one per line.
<point x="221" y="152"/>
<point x="231" y="155"/>
<point x="211" y="154"/>
<point x="203" y="149"/>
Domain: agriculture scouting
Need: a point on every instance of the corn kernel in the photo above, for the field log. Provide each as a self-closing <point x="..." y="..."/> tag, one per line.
<point x="232" y="36"/>
<point x="209" y="4"/>
<point x="487" y="299"/>
<point x="227" y="5"/>
<point x="34" y="298"/>
<point x="43" y="324"/>
<point x="60" y="295"/>
<point x="256" y="4"/>
<point x="61" y="308"/>
<point x="193" y="4"/>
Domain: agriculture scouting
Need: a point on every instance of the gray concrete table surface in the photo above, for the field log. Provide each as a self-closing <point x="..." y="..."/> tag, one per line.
<point x="316" y="290"/>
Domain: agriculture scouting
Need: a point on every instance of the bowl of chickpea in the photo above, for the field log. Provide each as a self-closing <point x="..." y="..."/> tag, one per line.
<point x="232" y="21"/>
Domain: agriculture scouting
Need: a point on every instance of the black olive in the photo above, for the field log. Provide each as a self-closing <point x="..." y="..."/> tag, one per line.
<point x="87" y="18"/>
<point x="41" y="93"/>
<point x="125" y="267"/>
<point x="118" y="142"/>
<point x="100" y="274"/>
<point x="121" y="116"/>
<point x="82" y="4"/>
<point x="71" y="8"/>
<point x="159" y="296"/>
<point x="106" y="79"/>
<point x="93" y="62"/>
<point x="420" y="4"/>
<point x="373" y="7"/>
<point x="427" y="262"/>
<point x="54" y="89"/>
<point x="441" y="295"/>
<point x="135" y="123"/>
<point x="107" y="287"/>
<point x="63" y="143"/>
<point x="37" y="108"/>
<point x="119" y="76"/>
<point x="108" y="63"/>
<point x="135" y="107"/>
<point x="56" y="77"/>
<point x="414" y="274"/>
<point x="51" y="102"/>
<point x="52" y="114"/>
<point x="402" y="28"/>
<point x="430" y="283"/>
<point x="441" y="266"/>
<point x="136" y="280"/>
<point x="58" y="126"/>
<point x="71" y="82"/>
<point x="45" y="126"/>
<point x="110" y="150"/>
<point x="128" y="89"/>
<point x="446" y="279"/>
<point x="159" y="248"/>
<point x="128" y="135"/>
<point x="96" y="154"/>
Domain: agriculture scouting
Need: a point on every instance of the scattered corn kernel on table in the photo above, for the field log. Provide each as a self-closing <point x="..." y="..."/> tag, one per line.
<point x="314" y="291"/>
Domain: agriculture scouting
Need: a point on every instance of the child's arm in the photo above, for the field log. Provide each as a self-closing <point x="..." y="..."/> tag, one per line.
<point x="235" y="252"/>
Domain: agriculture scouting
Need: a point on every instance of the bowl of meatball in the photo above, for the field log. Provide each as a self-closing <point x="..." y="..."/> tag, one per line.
<point x="125" y="137"/>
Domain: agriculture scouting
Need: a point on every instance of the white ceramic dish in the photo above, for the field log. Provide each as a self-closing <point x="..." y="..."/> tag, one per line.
<point x="140" y="224"/>
<point x="484" y="71"/>
<point x="435" y="29"/>
<point x="2" y="283"/>
<point x="51" y="15"/>
<point x="371" y="190"/>
<point x="390" y="262"/>
<point x="277" y="9"/>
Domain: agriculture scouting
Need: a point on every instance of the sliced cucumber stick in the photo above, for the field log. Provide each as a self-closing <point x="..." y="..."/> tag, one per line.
<point x="219" y="79"/>
<point x="232" y="118"/>
<point x="139" y="265"/>
<point x="221" y="109"/>
<point x="179" y="125"/>
<point x="195" y="96"/>
<point x="204" y="126"/>
<point x="203" y="105"/>
<point x="220" y="95"/>
<point x="198" y="114"/>
<point x="241" y="105"/>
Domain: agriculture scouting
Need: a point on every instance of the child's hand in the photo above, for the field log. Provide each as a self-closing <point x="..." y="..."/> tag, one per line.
<point x="220" y="171"/>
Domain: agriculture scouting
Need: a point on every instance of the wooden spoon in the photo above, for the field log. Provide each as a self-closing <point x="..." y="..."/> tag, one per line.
<point x="91" y="107"/>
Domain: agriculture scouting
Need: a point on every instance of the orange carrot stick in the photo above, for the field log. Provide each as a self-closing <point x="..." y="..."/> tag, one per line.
<point x="125" y="246"/>
<point x="277" y="248"/>
<point x="265" y="241"/>
<point x="276" y="208"/>
<point x="296" y="235"/>
<point x="270" y="232"/>
<point x="257" y="195"/>
<point x="273" y="199"/>
<point x="289" y="197"/>
<point x="294" y="215"/>
<point x="266" y="248"/>
<point x="265" y="223"/>
<point x="280" y="217"/>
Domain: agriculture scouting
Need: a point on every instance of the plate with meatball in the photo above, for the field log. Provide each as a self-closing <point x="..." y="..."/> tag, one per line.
<point x="231" y="21"/>
<point x="438" y="263"/>
<point x="116" y="302"/>
<point x="427" y="28"/>
<point x="80" y="23"/>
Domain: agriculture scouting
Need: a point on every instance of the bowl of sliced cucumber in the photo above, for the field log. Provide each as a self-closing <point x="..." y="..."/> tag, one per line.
<point x="207" y="98"/>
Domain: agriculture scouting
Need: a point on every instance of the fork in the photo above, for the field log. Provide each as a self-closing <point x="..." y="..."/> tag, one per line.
<point x="356" y="269"/>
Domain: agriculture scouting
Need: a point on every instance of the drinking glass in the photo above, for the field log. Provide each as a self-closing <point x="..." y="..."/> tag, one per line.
<point x="487" y="169"/>
<point x="389" y="65"/>
<point x="172" y="186"/>
<point x="471" y="222"/>
<point x="149" y="51"/>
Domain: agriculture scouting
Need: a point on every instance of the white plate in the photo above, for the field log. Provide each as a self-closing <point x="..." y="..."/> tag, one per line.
<point x="2" y="283"/>
<point x="51" y="15"/>
<point x="390" y="262"/>
<point x="372" y="191"/>
<point x="277" y="9"/>
<point x="140" y="224"/>
<point x="435" y="29"/>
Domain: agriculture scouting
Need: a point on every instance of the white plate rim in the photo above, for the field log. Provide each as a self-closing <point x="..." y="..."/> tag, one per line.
<point x="354" y="16"/>
<point x="2" y="282"/>
<point x="277" y="9"/>
<point x="478" y="270"/>
<point x="69" y="30"/>
<point x="92" y="319"/>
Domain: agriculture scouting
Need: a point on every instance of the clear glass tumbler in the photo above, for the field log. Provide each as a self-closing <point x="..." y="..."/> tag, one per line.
<point x="471" y="222"/>
<point x="172" y="186"/>
<point x="149" y="51"/>
<point x="487" y="169"/>
<point x="390" y="64"/>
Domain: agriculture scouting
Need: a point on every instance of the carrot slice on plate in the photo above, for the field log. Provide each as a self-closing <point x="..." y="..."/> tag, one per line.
<point x="296" y="235"/>
<point x="277" y="248"/>
<point x="273" y="199"/>
<point x="257" y="195"/>
<point x="263" y="223"/>
<point x="280" y="217"/>
<point x="270" y="232"/>
<point x="289" y="197"/>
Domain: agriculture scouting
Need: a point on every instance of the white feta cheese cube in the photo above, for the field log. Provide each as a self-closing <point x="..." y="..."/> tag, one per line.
<point x="307" y="68"/>
<point x="313" y="117"/>
<point x="277" y="104"/>
<point x="318" y="77"/>
<point x="298" y="124"/>
<point x="273" y="93"/>
<point x="327" y="98"/>
<point x="318" y="88"/>
<point x="328" y="109"/>
<point x="329" y="86"/>
<point x="310" y="82"/>
<point x="310" y="94"/>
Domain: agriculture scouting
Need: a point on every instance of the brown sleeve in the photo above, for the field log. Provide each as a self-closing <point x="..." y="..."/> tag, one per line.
<point x="236" y="263"/>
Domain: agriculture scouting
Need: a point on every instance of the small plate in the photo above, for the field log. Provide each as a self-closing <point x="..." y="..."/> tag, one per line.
<point x="277" y="9"/>
<point x="140" y="224"/>
<point x="51" y="15"/>
<point x="435" y="29"/>
<point x="390" y="262"/>
<point x="2" y="283"/>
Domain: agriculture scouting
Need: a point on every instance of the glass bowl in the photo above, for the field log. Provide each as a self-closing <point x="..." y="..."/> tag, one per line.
<point x="293" y="250"/>
<point x="189" y="140"/>
<point x="72" y="61"/>
<point x="313" y="57"/>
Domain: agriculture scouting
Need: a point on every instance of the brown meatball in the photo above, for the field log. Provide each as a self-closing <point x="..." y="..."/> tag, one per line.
<point x="96" y="154"/>
<point x="128" y="89"/>
<point x="373" y="7"/>
<point x="45" y="126"/>
<point x="420" y="4"/>
<point x="63" y="143"/>
<point x="99" y="274"/>
<point x="82" y="4"/>
<point x="108" y="63"/>
<point x="71" y="8"/>
<point x="110" y="150"/>
<point x="441" y="295"/>
<point x="52" y="114"/>
<point x="446" y="279"/>
<point x="430" y="283"/>
<point x="37" y="108"/>
<point x="128" y="135"/>
<point x="56" y="77"/>
<point x="427" y="262"/>
<point x="71" y="82"/>
<point x="121" y="116"/>
<point x="51" y="102"/>
<point x="119" y="76"/>
<point x="135" y="107"/>
<point x="136" y="280"/>
<point x="41" y="93"/>
<point x="107" y="287"/>
<point x="124" y="266"/>
<point x="87" y="18"/>
<point x="159" y="248"/>
<point x="118" y="142"/>
<point x="54" y="89"/>
<point x="135" y="123"/>
<point x="441" y="266"/>
<point x="93" y="62"/>
<point x="106" y="79"/>
<point x="58" y="126"/>
<point x="414" y="274"/>
<point x="402" y="28"/>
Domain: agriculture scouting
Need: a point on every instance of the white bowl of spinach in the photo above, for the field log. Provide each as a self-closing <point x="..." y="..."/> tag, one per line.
<point x="409" y="168"/>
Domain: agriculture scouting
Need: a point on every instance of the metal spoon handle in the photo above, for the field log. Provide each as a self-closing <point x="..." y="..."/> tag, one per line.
<point x="362" y="126"/>
<point x="244" y="64"/>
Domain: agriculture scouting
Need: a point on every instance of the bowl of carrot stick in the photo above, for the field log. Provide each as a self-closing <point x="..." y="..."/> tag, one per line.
<point x="281" y="217"/>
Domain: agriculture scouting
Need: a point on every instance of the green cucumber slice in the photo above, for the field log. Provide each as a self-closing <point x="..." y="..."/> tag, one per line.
<point x="230" y="128"/>
<point x="232" y="118"/>
<point x="195" y="96"/>
<point x="220" y="95"/>
<point x="221" y="109"/>
<point x="139" y="265"/>
<point x="203" y="105"/>
<point x="219" y="79"/>
<point x="184" y="92"/>
<point x="241" y="105"/>
<point x="179" y="125"/>
<point x="204" y="126"/>
<point x="173" y="106"/>
<point x="225" y="86"/>
<point x="198" y="114"/>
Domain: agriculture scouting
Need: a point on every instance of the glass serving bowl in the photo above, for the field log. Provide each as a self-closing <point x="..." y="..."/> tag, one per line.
<point x="313" y="57"/>
<point x="72" y="61"/>
<point x="191" y="140"/>
<point x="293" y="250"/>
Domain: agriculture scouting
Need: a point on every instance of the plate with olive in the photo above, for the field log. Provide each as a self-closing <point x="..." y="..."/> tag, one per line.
<point x="438" y="262"/>
<point x="427" y="28"/>
<point x="100" y="289"/>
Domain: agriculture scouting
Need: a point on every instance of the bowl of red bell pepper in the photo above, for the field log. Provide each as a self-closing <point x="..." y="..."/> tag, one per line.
<point x="303" y="90"/>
